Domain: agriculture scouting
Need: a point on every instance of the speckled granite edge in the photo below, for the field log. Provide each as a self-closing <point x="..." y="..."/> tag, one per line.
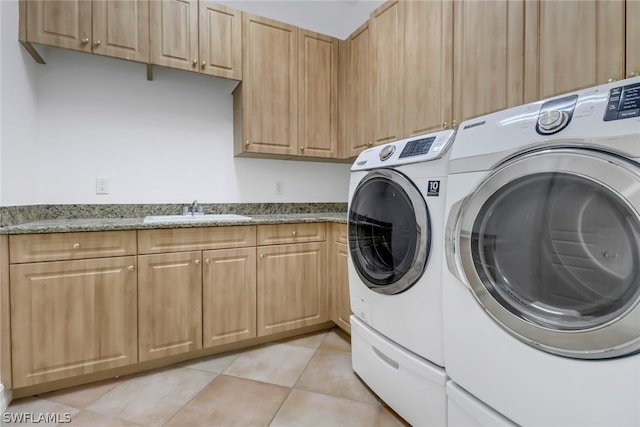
<point x="133" y="219"/>
<point x="14" y="215"/>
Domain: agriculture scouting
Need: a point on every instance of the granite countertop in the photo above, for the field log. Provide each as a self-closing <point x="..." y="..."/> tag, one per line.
<point x="110" y="224"/>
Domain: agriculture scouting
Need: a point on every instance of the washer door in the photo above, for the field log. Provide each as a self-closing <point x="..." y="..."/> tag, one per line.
<point x="389" y="231"/>
<point x="550" y="246"/>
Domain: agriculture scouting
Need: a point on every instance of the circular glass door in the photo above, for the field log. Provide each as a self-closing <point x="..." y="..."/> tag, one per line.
<point x="389" y="235"/>
<point x="550" y="245"/>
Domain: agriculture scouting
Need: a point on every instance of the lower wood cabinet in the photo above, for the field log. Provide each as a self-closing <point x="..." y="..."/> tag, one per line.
<point x="170" y="304"/>
<point x="72" y="317"/>
<point x="228" y="296"/>
<point x="291" y="280"/>
<point x="339" y="302"/>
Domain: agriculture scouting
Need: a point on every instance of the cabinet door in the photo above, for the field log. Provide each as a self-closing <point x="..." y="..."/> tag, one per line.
<point x="60" y="23"/>
<point x="169" y="304"/>
<point x="269" y="86"/>
<point x="72" y="318"/>
<point x="488" y="57"/>
<point x="339" y="302"/>
<point x="317" y="95"/>
<point x="220" y="40"/>
<point x="387" y="40"/>
<point x="121" y="29"/>
<point x="228" y="296"/>
<point x="291" y="287"/>
<point x="361" y="96"/>
<point x="344" y="93"/>
<point x="572" y="45"/>
<point x="174" y="33"/>
<point x="427" y="66"/>
<point x="633" y="36"/>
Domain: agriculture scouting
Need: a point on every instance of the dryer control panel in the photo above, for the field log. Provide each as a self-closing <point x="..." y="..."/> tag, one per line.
<point x="624" y="102"/>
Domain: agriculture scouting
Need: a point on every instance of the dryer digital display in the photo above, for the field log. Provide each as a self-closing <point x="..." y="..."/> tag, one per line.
<point x="624" y="102"/>
<point x="417" y="147"/>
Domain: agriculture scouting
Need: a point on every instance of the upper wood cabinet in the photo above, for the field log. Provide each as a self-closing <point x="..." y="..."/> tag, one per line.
<point x="387" y="40"/>
<point x="358" y="103"/>
<point x="574" y="44"/>
<point x="266" y="102"/>
<point x="317" y="95"/>
<point x="426" y="66"/>
<point x="116" y="28"/>
<point x="633" y="36"/>
<point x="198" y="36"/>
<point x="488" y="57"/>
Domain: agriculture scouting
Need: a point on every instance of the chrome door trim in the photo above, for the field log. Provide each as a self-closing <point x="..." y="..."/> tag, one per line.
<point x="618" y="337"/>
<point x="423" y="241"/>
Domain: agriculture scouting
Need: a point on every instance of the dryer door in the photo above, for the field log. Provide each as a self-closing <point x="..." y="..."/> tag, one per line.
<point x="389" y="231"/>
<point x="550" y="246"/>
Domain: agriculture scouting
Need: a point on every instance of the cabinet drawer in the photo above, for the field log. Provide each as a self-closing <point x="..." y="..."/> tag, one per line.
<point x="278" y="234"/>
<point x="195" y="239"/>
<point x="25" y="248"/>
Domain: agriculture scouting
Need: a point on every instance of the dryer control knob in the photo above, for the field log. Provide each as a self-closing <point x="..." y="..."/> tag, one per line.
<point x="552" y="120"/>
<point x="387" y="152"/>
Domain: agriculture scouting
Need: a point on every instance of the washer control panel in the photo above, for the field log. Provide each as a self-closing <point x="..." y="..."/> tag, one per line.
<point x="555" y="115"/>
<point x="417" y="147"/>
<point x="624" y="102"/>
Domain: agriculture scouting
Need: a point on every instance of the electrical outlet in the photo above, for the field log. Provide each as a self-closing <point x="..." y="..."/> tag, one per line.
<point x="102" y="185"/>
<point x="279" y="188"/>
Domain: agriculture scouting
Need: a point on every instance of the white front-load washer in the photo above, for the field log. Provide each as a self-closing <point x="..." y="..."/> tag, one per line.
<point x="395" y="234"/>
<point x="542" y="285"/>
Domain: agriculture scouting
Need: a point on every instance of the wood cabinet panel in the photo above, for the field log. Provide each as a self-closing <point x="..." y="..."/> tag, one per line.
<point x="573" y="45"/>
<point x="67" y="246"/>
<point x="386" y="56"/>
<point x="174" y="33"/>
<point x="61" y="23"/>
<point x="121" y="29"/>
<point x="220" y="40"/>
<point x="266" y="103"/>
<point x="72" y="317"/>
<point x="277" y="234"/>
<point x="170" y="304"/>
<point x="361" y="93"/>
<point x="427" y="66"/>
<point x="191" y="239"/>
<point x="339" y="302"/>
<point x="488" y="51"/>
<point x="633" y="36"/>
<point x="317" y="95"/>
<point x="228" y="296"/>
<point x="291" y="287"/>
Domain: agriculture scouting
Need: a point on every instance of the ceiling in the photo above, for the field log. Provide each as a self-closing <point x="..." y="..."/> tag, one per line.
<point x="337" y="18"/>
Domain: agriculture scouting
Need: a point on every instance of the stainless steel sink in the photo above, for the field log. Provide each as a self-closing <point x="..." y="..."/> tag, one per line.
<point x="157" y="219"/>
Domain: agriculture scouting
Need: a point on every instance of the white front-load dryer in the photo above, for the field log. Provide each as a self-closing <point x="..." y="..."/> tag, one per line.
<point x="395" y="234"/>
<point x="542" y="285"/>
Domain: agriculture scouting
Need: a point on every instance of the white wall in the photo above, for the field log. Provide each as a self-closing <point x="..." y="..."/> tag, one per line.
<point x="170" y="140"/>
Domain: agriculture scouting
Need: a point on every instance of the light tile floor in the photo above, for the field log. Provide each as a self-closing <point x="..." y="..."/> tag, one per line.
<point x="305" y="381"/>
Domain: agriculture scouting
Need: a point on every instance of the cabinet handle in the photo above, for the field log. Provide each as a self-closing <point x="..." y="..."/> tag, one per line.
<point x="369" y="144"/>
<point x="85" y="40"/>
<point x="97" y="43"/>
<point x="194" y="63"/>
<point x="261" y="256"/>
<point x="445" y="125"/>
<point x="196" y="262"/>
<point x="634" y="74"/>
<point x="301" y="148"/>
<point x="246" y="143"/>
<point x="76" y="246"/>
<point x="131" y="268"/>
<point x="202" y="64"/>
<point x="612" y="80"/>
<point x="454" y="123"/>
<point x="207" y="261"/>
<point x="295" y="232"/>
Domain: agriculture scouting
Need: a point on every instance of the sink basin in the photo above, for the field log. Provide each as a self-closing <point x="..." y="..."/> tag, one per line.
<point x="193" y="218"/>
